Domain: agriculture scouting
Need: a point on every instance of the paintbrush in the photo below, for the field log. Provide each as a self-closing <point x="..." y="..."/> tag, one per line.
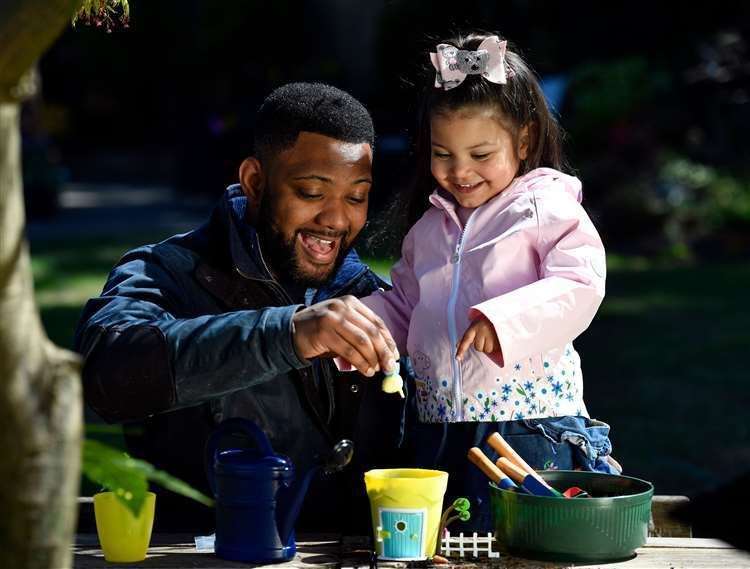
<point x="501" y="447"/>
<point x="477" y="457"/>
<point x="528" y="482"/>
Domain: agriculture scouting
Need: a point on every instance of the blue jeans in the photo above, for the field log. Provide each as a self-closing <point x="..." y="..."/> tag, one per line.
<point x="559" y="443"/>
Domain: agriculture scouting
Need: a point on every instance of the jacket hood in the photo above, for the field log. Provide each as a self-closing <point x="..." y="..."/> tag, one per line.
<point x="548" y="176"/>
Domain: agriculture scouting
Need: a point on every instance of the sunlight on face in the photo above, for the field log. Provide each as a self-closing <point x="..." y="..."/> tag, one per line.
<point x="314" y="207"/>
<point x="474" y="157"/>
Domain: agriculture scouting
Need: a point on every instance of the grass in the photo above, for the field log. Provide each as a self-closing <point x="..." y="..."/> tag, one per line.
<point x="664" y="364"/>
<point x="664" y="360"/>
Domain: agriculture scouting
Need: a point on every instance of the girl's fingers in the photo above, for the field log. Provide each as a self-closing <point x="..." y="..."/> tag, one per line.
<point x="465" y="342"/>
<point x="479" y="342"/>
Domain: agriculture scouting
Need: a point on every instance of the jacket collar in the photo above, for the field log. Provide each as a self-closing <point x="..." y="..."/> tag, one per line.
<point x="247" y="256"/>
<point x="441" y="199"/>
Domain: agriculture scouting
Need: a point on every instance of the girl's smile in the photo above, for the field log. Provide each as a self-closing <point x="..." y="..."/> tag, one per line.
<point x="474" y="157"/>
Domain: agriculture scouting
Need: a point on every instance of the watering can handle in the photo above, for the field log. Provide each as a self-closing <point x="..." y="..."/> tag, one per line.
<point x="236" y="425"/>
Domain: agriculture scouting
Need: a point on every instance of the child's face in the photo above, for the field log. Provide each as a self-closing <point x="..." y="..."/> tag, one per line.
<point x="474" y="157"/>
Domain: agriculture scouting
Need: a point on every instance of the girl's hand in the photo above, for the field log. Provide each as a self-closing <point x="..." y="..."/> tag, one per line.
<point x="481" y="334"/>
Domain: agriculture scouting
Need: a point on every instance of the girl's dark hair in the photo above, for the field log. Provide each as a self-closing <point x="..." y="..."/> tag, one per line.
<point x="518" y="103"/>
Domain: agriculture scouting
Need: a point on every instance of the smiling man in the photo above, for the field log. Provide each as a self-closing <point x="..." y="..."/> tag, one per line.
<point x="239" y="317"/>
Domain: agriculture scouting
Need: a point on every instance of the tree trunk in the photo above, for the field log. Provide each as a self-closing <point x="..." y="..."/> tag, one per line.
<point x="40" y="402"/>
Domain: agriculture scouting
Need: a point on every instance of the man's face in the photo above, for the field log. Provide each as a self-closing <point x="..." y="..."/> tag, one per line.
<point x="312" y="207"/>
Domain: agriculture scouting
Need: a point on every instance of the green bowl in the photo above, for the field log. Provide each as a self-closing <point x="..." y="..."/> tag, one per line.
<point x="609" y="526"/>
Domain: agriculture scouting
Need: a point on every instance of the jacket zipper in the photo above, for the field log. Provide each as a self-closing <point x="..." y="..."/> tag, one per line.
<point x="452" y="332"/>
<point x="326" y="377"/>
<point x="283" y="296"/>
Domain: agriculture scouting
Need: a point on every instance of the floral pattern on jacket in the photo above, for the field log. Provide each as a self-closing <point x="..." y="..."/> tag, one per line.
<point x="531" y="262"/>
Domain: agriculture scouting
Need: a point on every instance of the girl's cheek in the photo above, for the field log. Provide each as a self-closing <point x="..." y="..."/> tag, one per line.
<point x="436" y="170"/>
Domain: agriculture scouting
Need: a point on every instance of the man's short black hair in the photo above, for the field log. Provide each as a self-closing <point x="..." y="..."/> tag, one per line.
<point x="309" y="107"/>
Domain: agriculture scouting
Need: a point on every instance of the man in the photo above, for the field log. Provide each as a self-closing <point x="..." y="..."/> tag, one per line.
<point x="230" y="320"/>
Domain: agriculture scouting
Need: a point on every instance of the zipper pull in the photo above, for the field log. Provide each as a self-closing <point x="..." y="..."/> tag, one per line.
<point x="457" y="252"/>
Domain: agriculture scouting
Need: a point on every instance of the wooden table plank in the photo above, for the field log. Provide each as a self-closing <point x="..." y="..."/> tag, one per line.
<point x="173" y="551"/>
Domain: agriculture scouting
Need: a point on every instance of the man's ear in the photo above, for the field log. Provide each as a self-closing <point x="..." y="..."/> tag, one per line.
<point x="526" y="140"/>
<point x="252" y="180"/>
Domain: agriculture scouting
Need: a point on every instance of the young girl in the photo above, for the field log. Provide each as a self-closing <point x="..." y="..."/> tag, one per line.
<point x="501" y="270"/>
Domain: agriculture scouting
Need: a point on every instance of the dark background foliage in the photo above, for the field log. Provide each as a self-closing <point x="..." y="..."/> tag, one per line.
<point x="655" y="98"/>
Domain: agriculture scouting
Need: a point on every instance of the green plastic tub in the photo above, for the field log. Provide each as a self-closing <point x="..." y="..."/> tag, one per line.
<point x="609" y="526"/>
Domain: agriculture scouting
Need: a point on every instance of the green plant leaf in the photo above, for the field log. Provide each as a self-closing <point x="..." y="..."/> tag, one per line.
<point x="178" y="486"/>
<point x="111" y="469"/>
<point x="461" y="504"/>
<point x="128" y="477"/>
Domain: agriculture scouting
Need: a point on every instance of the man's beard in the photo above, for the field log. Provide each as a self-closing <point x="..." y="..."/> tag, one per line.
<point x="280" y="253"/>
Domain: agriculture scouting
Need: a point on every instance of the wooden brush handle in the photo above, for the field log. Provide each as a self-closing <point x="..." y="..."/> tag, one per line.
<point x="477" y="457"/>
<point x="501" y="447"/>
<point x="513" y="471"/>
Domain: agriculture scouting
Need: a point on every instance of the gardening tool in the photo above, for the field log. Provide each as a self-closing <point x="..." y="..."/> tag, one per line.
<point x="257" y="498"/>
<point x="576" y="492"/>
<point x="478" y="458"/>
<point x="501" y="447"/>
<point x="531" y="484"/>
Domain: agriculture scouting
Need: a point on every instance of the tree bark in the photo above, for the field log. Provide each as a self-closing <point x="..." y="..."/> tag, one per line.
<point x="40" y="401"/>
<point x="27" y="29"/>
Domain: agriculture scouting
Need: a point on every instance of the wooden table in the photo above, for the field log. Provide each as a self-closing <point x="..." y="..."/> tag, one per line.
<point x="172" y="551"/>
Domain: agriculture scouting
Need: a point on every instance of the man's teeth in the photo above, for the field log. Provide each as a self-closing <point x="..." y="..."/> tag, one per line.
<point x="319" y="240"/>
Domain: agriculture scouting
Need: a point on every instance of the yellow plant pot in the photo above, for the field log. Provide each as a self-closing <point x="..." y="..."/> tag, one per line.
<point x="123" y="537"/>
<point x="406" y="504"/>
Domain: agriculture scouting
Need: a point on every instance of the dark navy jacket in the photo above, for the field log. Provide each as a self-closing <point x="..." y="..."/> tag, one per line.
<point x="194" y="330"/>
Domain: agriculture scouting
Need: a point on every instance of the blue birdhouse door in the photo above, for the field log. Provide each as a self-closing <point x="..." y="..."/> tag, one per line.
<point x="403" y="533"/>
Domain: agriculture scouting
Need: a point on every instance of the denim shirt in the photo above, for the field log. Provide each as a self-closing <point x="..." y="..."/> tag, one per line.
<point x="195" y="329"/>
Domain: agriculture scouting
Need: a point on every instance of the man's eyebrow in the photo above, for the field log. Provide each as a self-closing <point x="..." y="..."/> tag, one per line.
<point x="313" y="177"/>
<point x="327" y="180"/>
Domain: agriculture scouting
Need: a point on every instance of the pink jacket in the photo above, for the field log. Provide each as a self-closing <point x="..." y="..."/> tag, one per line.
<point x="529" y="260"/>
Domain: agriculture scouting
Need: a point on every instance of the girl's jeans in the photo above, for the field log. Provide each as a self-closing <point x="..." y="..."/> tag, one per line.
<point x="559" y="443"/>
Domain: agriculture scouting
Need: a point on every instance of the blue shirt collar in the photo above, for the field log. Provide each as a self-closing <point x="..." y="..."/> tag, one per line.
<point x="248" y="258"/>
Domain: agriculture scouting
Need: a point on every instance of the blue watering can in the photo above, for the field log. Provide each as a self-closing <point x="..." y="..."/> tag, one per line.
<point x="257" y="498"/>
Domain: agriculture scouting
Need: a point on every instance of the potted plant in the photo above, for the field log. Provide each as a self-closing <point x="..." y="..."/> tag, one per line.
<point x="124" y="511"/>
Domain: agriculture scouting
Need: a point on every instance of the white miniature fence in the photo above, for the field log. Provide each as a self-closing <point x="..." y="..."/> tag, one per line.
<point x="463" y="545"/>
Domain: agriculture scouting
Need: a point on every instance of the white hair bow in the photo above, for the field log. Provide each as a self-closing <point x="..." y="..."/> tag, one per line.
<point x="453" y="65"/>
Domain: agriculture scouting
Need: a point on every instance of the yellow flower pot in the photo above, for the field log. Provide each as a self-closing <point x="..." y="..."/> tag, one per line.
<point x="406" y="504"/>
<point x="123" y="537"/>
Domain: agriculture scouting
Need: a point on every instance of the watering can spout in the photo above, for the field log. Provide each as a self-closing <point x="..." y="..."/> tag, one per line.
<point x="294" y="496"/>
<point x="290" y="505"/>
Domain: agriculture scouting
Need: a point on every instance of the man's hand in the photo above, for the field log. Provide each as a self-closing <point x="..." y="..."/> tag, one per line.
<point x="481" y="334"/>
<point x="346" y="328"/>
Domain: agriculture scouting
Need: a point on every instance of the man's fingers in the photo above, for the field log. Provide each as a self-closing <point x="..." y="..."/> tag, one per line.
<point x="382" y="340"/>
<point x="359" y="335"/>
<point x="347" y="328"/>
<point x="343" y="347"/>
<point x="465" y="342"/>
